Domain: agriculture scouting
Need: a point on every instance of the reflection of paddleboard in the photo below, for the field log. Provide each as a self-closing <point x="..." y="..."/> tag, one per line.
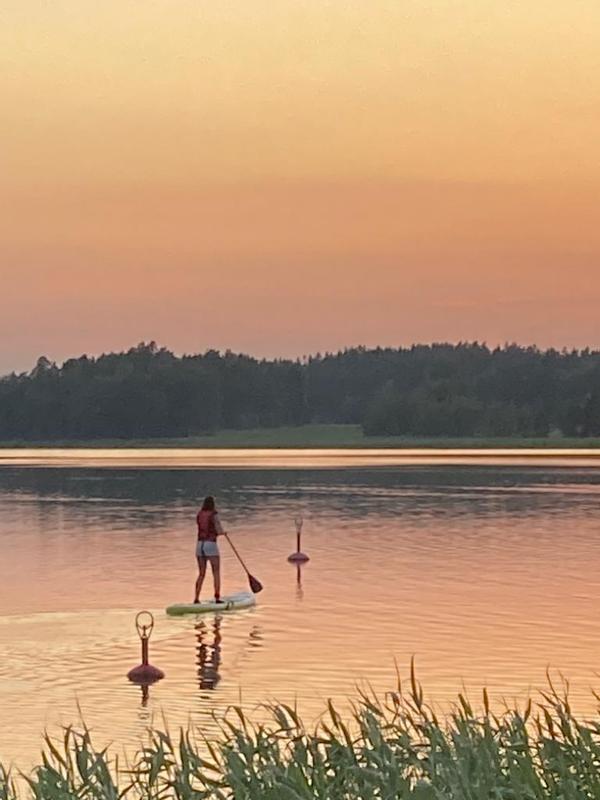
<point x="230" y="603"/>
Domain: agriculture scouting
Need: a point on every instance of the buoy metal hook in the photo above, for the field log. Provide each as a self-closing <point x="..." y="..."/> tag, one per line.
<point x="144" y="623"/>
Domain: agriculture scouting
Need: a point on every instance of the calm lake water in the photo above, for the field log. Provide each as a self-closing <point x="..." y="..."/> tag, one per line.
<point x="486" y="570"/>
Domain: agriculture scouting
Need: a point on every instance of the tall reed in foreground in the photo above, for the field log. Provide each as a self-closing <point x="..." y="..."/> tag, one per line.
<point x="387" y="747"/>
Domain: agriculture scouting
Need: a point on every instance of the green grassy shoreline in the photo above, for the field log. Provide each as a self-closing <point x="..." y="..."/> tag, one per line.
<point x="310" y="437"/>
<point x="391" y="747"/>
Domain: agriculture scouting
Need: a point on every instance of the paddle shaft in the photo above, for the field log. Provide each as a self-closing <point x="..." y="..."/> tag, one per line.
<point x="233" y="547"/>
<point x="255" y="584"/>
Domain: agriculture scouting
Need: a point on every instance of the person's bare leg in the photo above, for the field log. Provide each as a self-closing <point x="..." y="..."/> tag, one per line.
<point x="200" y="579"/>
<point x="215" y="563"/>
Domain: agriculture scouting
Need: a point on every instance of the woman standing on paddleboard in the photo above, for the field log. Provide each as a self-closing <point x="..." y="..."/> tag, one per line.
<point x="207" y="548"/>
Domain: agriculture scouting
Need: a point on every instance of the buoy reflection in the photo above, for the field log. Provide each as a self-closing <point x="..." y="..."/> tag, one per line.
<point x="145" y="694"/>
<point x="299" y="589"/>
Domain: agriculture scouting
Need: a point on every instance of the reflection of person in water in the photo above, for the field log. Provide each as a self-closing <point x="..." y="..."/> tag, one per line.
<point x="209" y="654"/>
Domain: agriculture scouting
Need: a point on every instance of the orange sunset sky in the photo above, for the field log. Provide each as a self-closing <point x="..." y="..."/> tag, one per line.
<point x="300" y="175"/>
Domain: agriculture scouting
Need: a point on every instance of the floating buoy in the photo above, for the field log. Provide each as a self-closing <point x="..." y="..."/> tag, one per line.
<point x="146" y="673"/>
<point x="298" y="557"/>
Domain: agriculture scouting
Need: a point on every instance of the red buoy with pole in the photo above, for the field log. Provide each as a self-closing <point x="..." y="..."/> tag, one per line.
<point x="145" y="673"/>
<point x="298" y="557"/>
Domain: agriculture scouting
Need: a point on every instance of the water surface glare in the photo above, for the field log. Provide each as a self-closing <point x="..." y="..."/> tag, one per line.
<point x="488" y="572"/>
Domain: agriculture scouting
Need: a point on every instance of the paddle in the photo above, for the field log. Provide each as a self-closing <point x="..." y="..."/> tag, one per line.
<point x="255" y="585"/>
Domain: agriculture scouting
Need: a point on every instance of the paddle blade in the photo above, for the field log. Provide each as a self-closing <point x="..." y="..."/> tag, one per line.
<point x="255" y="584"/>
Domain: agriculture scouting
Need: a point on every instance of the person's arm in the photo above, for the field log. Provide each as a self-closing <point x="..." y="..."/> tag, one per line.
<point x="218" y="526"/>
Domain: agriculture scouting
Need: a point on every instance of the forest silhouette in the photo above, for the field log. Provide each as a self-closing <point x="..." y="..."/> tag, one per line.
<point x="425" y="390"/>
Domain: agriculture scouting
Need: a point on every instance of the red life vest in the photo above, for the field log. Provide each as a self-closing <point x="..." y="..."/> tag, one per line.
<point x="207" y="530"/>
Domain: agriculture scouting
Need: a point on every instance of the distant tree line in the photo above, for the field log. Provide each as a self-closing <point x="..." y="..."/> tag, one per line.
<point x="437" y="390"/>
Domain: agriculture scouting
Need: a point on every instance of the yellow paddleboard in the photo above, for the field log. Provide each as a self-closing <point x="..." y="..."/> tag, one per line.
<point x="231" y="602"/>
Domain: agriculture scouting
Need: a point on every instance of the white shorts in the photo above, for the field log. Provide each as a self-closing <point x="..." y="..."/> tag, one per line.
<point x="207" y="549"/>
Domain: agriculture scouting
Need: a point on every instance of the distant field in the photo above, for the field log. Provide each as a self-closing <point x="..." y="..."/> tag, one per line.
<point x="311" y="436"/>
